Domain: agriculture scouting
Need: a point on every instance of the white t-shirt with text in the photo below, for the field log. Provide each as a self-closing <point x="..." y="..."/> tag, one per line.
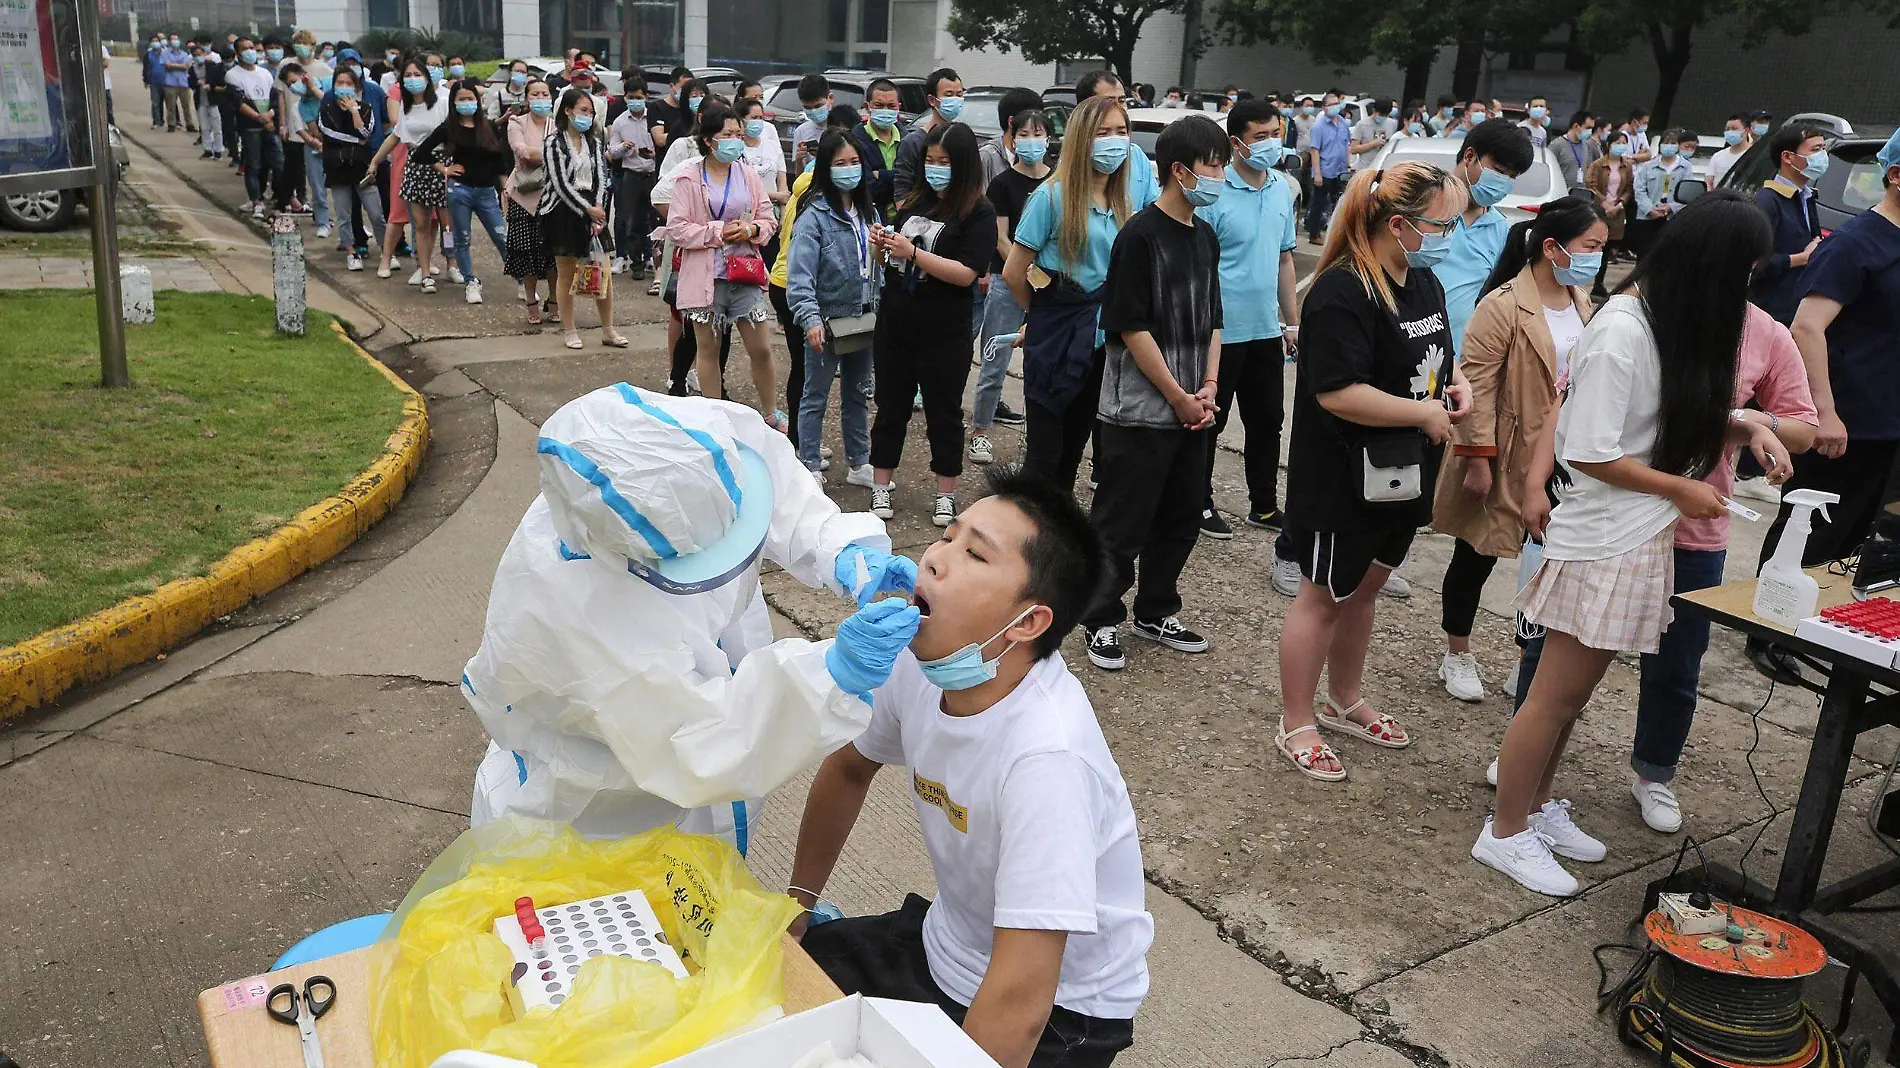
<point x="1566" y="326"/>
<point x="1029" y="826"/>
<point x="1612" y="410"/>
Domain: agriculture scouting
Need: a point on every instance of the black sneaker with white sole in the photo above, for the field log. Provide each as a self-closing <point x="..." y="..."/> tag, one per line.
<point x="1168" y="631"/>
<point x="1213" y="526"/>
<point x="1105" y="650"/>
<point x="1007" y="416"/>
<point x="1267" y="520"/>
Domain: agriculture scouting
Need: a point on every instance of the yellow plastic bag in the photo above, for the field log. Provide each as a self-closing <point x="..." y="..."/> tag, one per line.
<point x="437" y="977"/>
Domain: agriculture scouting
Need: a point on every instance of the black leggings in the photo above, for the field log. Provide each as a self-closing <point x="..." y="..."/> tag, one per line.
<point x="1056" y="439"/>
<point x="795" y="345"/>
<point x="1464" y="584"/>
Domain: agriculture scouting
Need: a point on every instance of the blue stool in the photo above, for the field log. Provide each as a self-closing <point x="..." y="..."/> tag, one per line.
<point x="334" y="939"/>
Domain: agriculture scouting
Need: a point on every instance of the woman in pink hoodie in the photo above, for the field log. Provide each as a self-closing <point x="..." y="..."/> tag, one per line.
<point x="720" y="217"/>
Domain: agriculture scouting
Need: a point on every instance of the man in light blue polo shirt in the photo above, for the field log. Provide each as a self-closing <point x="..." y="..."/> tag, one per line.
<point x="1328" y="159"/>
<point x="1491" y="156"/>
<point x="1254" y="219"/>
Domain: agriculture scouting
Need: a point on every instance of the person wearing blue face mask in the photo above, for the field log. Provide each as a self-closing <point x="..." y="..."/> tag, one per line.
<point x="1489" y="158"/>
<point x="1161" y="311"/>
<point x="1656" y="183"/>
<point x="1801" y="158"/>
<point x="1328" y="156"/>
<point x="1027" y="821"/>
<point x="831" y="279"/>
<point x="1536" y="122"/>
<point x="348" y="127"/>
<point x="507" y="99"/>
<point x="635" y="162"/>
<point x="573" y="209"/>
<point x="472" y="157"/>
<point x="943" y="90"/>
<point x="175" y="72"/>
<point x="420" y="195"/>
<point x="1517" y="352"/>
<point x="1258" y="227"/>
<point x="254" y="92"/>
<point x="1736" y="139"/>
<point x="814" y="96"/>
<point x="1376" y="385"/>
<point x="1026" y="138"/>
<point x="936" y="247"/>
<point x="1372" y="133"/>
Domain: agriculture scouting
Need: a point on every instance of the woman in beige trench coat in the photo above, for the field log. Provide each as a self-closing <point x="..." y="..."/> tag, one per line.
<point x="1516" y="356"/>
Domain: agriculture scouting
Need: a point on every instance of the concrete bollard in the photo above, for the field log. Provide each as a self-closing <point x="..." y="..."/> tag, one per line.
<point x="136" y="298"/>
<point x="287" y="270"/>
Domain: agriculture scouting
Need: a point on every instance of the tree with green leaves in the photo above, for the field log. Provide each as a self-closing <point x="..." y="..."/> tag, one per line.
<point x="1407" y="34"/>
<point x="1050" y="31"/>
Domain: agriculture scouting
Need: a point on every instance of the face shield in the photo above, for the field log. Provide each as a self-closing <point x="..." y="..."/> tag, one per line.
<point x="633" y="483"/>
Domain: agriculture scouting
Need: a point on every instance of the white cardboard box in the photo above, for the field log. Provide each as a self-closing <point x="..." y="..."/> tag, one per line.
<point x="891" y="1034"/>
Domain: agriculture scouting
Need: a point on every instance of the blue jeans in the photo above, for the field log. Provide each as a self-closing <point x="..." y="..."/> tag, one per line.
<point x="854" y="411"/>
<point x="1666" y="695"/>
<point x="319" y="190"/>
<point x="468" y="200"/>
<point x="158" y="106"/>
<point x="1001" y="315"/>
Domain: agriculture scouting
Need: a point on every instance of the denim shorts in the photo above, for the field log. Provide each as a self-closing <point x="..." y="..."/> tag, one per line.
<point x="732" y="302"/>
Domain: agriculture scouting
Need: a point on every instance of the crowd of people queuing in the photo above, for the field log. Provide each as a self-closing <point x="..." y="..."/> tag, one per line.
<point x="1453" y="369"/>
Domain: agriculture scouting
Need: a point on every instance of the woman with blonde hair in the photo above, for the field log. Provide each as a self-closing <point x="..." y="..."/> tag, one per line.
<point x="1056" y="271"/>
<point x="1377" y="394"/>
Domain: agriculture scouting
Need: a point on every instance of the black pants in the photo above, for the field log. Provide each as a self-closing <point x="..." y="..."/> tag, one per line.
<point x="1641" y="234"/>
<point x="1465" y="577"/>
<point x="288" y="181"/>
<point x="686" y="353"/>
<point x="1148" y="508"/>
<point x="1326" y="194"/>
<point x="928" y="353"/>
<point x="883" y="957"/>
<point x="795" y="345"/>
<point x="1055" y="440"/>
<point x="634" y="219"/>
<point x="1860" y="476"/>
<point x="1253" y="372"/>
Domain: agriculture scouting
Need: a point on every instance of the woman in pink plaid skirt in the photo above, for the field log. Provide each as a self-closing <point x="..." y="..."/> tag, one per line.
<point x="1646" y="414"/>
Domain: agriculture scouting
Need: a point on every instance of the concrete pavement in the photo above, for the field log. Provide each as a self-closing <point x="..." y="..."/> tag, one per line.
<point x="302" y="765"/>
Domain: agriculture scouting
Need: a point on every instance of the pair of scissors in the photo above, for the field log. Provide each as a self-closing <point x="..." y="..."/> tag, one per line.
<point x="285" y="1005"/>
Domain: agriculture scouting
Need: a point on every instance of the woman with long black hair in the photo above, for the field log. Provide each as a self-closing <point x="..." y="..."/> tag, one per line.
<point x="1647" y="413"/>
<point x="938" y="245"/>
<point x="831" y="274"/>
<point x="573" y="209"/>
<point x="473" y="157"/>
<point x="1517" y="358"/>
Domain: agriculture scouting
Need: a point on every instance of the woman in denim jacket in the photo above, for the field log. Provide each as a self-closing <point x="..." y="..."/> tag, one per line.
<point x="831" y="275"/>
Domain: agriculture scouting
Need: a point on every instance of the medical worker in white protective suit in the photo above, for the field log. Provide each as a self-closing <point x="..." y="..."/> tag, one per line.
<point x="627" y="672"/>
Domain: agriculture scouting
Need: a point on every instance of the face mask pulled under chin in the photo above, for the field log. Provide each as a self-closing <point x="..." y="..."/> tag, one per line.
<point x="966" y="667"/>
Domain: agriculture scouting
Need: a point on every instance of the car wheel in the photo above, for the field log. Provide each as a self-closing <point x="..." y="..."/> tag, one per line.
<point x="39" y="212"/>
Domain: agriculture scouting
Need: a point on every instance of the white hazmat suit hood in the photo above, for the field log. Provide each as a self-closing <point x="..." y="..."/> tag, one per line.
<point x="627" y="671"/>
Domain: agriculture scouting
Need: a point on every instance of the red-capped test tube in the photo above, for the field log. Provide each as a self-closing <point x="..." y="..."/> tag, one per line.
<point x="531" y="928"/>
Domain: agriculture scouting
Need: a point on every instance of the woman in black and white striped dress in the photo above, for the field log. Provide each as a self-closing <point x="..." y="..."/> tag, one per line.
<point x="573" y="208"/>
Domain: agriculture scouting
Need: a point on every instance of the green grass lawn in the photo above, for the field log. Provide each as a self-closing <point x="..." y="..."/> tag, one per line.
<point x="227" y="431"/>
<point x="481" y="69"/>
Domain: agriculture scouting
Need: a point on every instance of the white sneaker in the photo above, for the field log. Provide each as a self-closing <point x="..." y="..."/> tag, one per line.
<point x="981" y="451"/>
<point x="1526" y="858"/>
<point x="521" y="292"/>
<point x="620" y="265"/>
<point x="1759" y="489"/>
<point x="1510" y="681"/>
<point x="1566" y="838"/>
<point x="1396" y="587"/>
<point x="323" y="231"/>
<point x="428" y="285"/>
<point x="1459" y="673"/>
<point x="818" y="477"/>
<point x="1491" y="773"/>
<point x="472" y="292"/>
<point x="1286" y="576"/>
<point x="436" y="268"/>
<point x="455" y="275"/>
<point x="416" y="279"/>
<point x="944" y="512"/>
<point x="824" y="463"/>
<point x="1661" y="810"/>
<point x="692" y="383"/>
<point x="881" y="501"/>
<point x="354" y="263"/>
<point x="861" y="475"/>
<point x="825" y="453"/>
<point x="257" y="210"/>
<point x="247" y="205"/>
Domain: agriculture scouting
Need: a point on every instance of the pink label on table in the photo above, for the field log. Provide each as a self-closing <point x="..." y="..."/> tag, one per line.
<point x="245" y="993"/>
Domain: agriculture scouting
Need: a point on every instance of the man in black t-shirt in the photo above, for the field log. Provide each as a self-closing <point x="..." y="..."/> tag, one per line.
<point x="669" y="114"/>
<point x="1161" y="312"/>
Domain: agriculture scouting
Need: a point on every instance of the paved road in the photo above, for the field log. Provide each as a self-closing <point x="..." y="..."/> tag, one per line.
<point x="302" y="764"/>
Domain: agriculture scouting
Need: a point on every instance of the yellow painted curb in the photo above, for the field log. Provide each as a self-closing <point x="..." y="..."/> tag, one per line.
<point x="37" y="671"/>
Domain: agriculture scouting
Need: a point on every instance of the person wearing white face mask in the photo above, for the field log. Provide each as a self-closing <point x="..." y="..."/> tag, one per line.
<point x="943" y="90"/>
<point x="1258" y="227"/>
<point x="1037" y="942"/>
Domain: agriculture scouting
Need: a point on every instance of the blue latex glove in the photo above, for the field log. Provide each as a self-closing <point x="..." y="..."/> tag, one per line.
<point x="867" y="645"/>
<point x="881" y="573"/>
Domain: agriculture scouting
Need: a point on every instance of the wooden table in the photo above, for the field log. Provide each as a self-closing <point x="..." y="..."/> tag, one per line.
<point x="1850" y="706"/>
<point x="240" y="1034"/>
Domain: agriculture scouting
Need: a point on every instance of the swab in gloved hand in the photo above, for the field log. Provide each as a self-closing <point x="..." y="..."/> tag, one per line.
<point x="866" y="572"/>
<point x="861" y="657"/>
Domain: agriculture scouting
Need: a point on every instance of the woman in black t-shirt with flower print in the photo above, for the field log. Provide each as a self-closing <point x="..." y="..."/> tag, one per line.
<point x="1377" y="394"/>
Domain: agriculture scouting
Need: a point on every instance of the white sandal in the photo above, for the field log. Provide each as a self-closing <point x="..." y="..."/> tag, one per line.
<point x="573" y="339"/>
<point x="1305" y="759"/>
<point x="1384" y="731"/>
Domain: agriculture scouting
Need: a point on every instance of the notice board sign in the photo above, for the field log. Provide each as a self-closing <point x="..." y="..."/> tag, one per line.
<point x="46" y="138"/>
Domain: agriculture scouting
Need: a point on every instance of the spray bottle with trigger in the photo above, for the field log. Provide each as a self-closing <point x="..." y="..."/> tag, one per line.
<point x="1784" y="593"/>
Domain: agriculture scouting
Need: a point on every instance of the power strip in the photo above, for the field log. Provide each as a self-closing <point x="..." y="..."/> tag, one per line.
<point x="1687" y="919"/>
